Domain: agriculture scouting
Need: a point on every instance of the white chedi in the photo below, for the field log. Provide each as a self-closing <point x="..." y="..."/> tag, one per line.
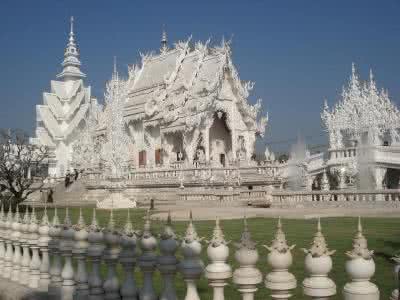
<point x="360" y="268"/>
<point x="318" y="264"/>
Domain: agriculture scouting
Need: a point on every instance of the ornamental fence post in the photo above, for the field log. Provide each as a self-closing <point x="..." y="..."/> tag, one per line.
<point x="111" y="254"/>
<point x="43" y="243"/>
<point x="280" y="281"/>
<point x="191" y="266"/>
<point x="26" y="257"/>
<point x="167" y="261"/>
<point x="95" y="252"/>
<point x="16" y="240"/>
<point x="9" y="249"/>
<point x="127" y="259"/>
<point x="79" y="251"/>
<point x="360" y="268"/>
<point x="33" y="243"/>
<point x="318" y="264"/>
<point x="66" y="245"/>
<point x="218" y="271"/>
<point x="147" y="261"/>
<point x="2" y="238"/>
<point x="247" y="276"/>
<point x="56" y="266"/>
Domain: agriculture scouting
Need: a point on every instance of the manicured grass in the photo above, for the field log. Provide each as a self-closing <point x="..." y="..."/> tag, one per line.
<point x="383" y="235"/>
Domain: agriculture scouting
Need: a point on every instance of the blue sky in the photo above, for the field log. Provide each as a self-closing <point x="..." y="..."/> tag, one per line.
<point x="297" y="52"/>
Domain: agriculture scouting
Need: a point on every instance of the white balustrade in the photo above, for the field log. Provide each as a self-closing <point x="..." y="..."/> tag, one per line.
<point x="218" y="271"/>
<point x="95" y="245"/>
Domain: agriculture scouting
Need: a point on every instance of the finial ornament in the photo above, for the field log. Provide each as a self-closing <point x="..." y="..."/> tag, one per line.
<point x="81" y="221"/>
<point x="360" y="245"/>
<point x="128" y="228"/>
<point x="319" y="247"/>
<point x="168" y="231"/>
<point x="218" y="237"/>
<point x="56" y="220"/>
<point x="191" y="233"/>
<point x="94" y="226"/>
<point x="67" y="220"/>
<point x="245" y="239"/>
<point x="45" y="218"/>
<point x="111" y="221"/>
<point x="279" y="242"/>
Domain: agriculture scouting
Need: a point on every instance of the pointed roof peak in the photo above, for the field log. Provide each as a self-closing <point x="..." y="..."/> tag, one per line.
<point x="164" y="41"/>
<point x="71" y="63"/>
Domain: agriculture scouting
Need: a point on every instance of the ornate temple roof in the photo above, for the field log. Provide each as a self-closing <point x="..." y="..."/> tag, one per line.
<point x="362" y="108"/>
<point x="179" y="86"/>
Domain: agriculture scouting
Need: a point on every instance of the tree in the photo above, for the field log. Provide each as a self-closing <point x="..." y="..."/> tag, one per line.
<point x="18" y="160"/>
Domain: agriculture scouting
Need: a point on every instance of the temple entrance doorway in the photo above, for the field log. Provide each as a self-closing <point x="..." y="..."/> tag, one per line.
<point x="220" y="141"/>
<point x="222" y="159"/>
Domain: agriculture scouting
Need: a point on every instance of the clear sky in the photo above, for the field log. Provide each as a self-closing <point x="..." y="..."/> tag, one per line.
<point x="297" y="52"/>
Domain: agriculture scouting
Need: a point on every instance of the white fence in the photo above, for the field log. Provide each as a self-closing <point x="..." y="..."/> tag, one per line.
<point x="50" y="260"/>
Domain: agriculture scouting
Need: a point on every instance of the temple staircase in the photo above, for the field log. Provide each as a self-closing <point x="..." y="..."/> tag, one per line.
<point x="73" y="195"/>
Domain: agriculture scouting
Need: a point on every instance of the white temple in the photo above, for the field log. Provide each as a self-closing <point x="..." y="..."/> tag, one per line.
<point x="182" y="118"/>
<point x="65" y="109"/>
<point x="187" y="105"/>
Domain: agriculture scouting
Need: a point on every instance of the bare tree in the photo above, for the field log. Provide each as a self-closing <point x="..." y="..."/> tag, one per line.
<point x="18" y="157"/>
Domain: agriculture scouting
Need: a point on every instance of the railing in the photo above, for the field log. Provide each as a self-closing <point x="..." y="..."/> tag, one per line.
<point x="37" y="258"/>
<point x="188" y="174"/>
<point x="336" y="197"/>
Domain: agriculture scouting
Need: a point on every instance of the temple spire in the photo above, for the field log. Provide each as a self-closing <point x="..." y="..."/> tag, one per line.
<point x="71" y="63"/>
<point x="164" y="41"/>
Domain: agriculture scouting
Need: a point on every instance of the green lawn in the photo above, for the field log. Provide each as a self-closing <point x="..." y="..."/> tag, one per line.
<point x="383" y="235"/>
